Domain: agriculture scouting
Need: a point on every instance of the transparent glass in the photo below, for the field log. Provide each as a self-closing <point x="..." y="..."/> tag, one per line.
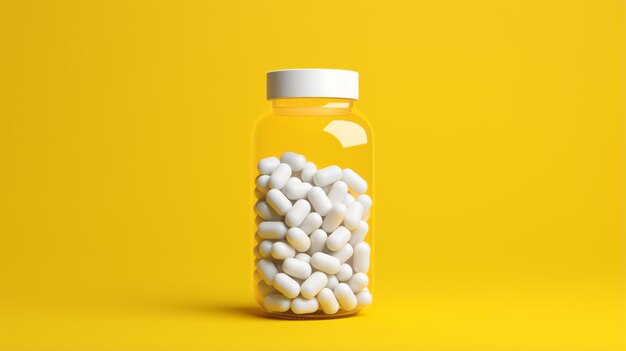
<point x="327" y="131"/>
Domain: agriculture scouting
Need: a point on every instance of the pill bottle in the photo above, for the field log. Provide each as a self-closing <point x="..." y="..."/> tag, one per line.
<point x="312" y="191"/>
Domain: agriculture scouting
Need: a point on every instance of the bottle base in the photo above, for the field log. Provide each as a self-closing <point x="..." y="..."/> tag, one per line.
<point x="319" y="315"/>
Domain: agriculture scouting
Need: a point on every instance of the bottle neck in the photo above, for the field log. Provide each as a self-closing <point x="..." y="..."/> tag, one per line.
<point x="312" y="106"/>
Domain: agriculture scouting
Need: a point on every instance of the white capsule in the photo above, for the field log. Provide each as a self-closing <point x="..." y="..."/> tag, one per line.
<point x="334" y="217"/>
<point x="327" y="176"/>
<point x="361" y="261"/>
<point x="281" y="250"/>
<point x="265" y="211"/>
<point x="268" y="165"/>
<point x="345" y="296"/>
<point x="354" y="181"/>
<point x="358" y="282"/>
<point x="301" y="305"/>
<point x="264" y="289"/>
<point x="338" y="238"/>
<point x="303" y="257"/>
<point x="319" y="200"/>
<point x="277" y="303"/>
<point x="345" y="273"/>
<point x="311" y="222"/>
<point x="308" y="172"/>
<point x="328" y="301"/>
<point x="267" y="270"/>
<point x="359" y="233"/>
<point x="318" y="241"/>
<point x="344" y="253"/>
<point x="366" y="201"/>
<point x="298" y="212"/>
<point x="338" y="192"/>
<point x="353" y="216"/>
<point x="295" y="189"/>
<point x="313" y="284"/>
<point x="363" y="298"/>
<point x="286" y="285"/>
<point x="332" y="281"/>
<point x="279" y="176"/>
<point x="295" y="161"/>
<point x="325" y="263"/>
<point x="298" y="239"/>
<point x="261" y="182"/>
<point x="348" y="200"/>
<point x="296" y="268"/>
<point x="279" y="202"/>
<point x="265" y="247"/>
<point x="272" y="230"/>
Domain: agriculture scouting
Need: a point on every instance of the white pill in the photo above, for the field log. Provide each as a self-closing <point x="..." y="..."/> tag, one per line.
<point x="308" y="172"/>
<point x="279" y="202"/>
<point x="267" y="270"/>
<point x="334" y="217"/>
<point x="354" y="181"/>
<point x="358" y="282"/>
<point x="318" y="241"/>
<point x="272" y="230"/>
<point x="298" y="212"/>
<point x="319" y="200"/>
<point x="345" y="296"/>
<point x="338" y="192"/>
<point x="327" y="176"/>
<point x="366" y="201"/>
<point x="345" y="273"/>
<point x="344" y="253"/>
<point x="296" y="268"/>
<point x="277" y="303"/>
<point x="295" y="189"/>
<point x="359" y="233"/>
<point x="298" y="239"/>
<point x="332" y="281"/>
<point x="348" y="200"/>
<point x="311" y="222"/>
<point x="295" y="161"/>
<point x="303" y="257"/>
<point x="265" y="247"/>
<point x="268" y="165"/>
<point x="316" y="282"/>
<point x="363" y="298"/>
<point x="325" y="263"/>
<point x="281" y="250"/>
<point x="264" y="289"/>
<point x="353" y="216"/>
<point x="301" y="305"/>
<point x="361" y="261"/>
<point x="286" y="285"/>
<point x="328" y="301"/>
<point x="338" y="238"/>
<point x="261" y="182"/>
<point x="265" y="211"/>
<point x="279" y="176"/>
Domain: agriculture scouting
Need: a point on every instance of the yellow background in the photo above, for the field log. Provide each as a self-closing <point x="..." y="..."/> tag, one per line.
<point x="500" y="154"/>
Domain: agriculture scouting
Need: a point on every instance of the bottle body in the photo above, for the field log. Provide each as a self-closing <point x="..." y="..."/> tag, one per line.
<point x="313" y="176"/>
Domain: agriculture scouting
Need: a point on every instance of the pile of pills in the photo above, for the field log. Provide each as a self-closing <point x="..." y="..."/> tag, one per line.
<point x="311" y="224"/>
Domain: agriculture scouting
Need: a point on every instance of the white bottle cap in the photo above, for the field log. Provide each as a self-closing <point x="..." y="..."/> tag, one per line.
<point x="313" y="82"/>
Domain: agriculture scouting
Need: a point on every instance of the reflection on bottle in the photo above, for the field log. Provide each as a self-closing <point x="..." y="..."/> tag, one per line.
<point x="348" y="133"/>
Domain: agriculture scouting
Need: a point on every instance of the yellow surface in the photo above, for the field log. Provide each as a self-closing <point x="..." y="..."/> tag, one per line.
<point x="500" y="153"/>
